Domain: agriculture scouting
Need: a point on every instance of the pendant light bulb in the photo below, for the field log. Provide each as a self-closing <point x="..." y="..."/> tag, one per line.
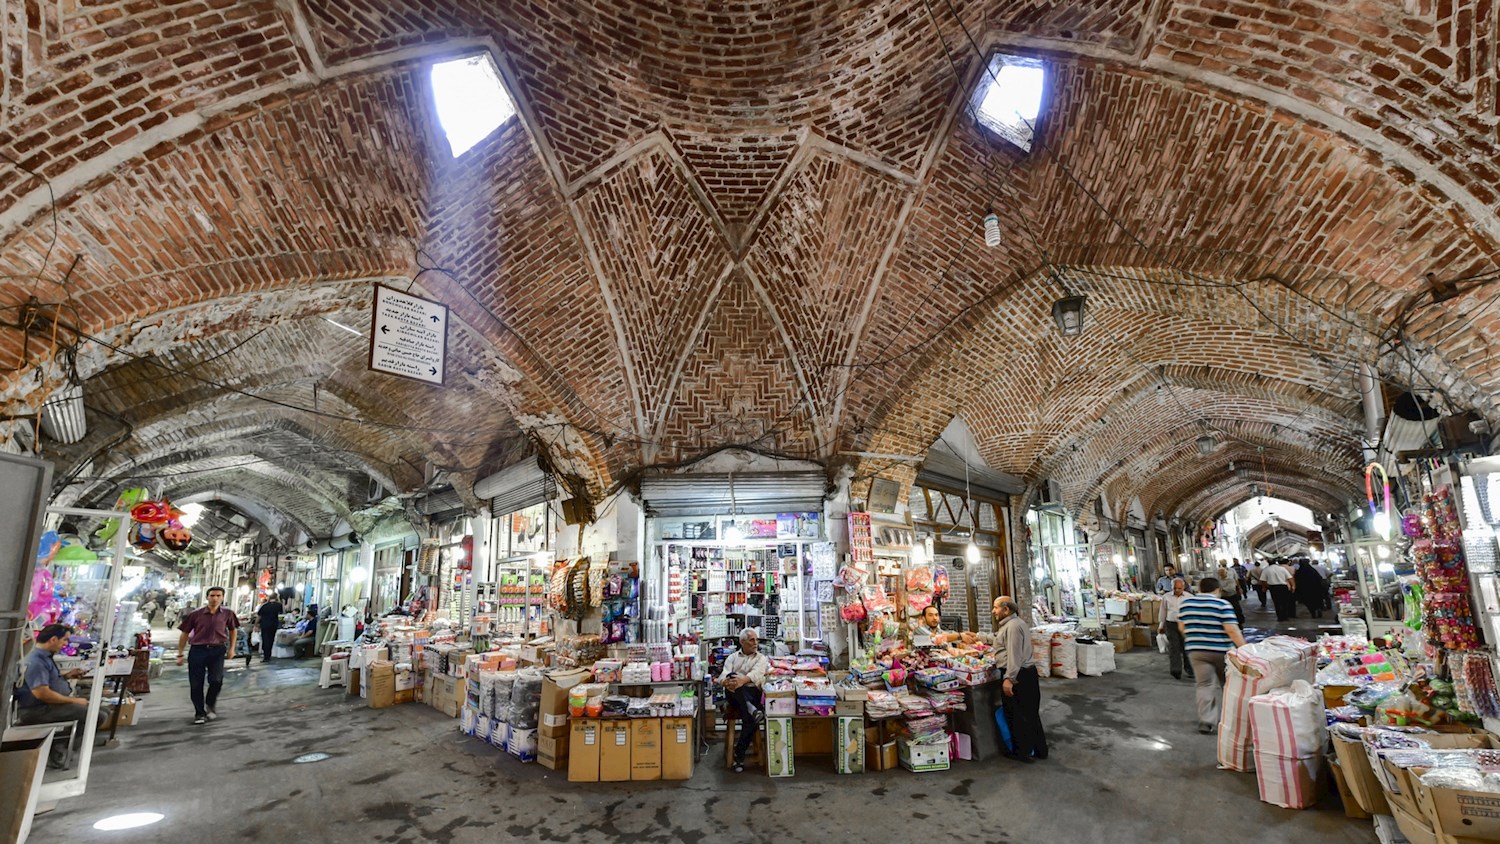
<point x="991" y="229"/>
<point x="971" y="553"/>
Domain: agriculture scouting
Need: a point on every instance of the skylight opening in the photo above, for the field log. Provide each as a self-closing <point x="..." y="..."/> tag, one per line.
<point x="1009" y="98"/>
<point x="471" y="100"/>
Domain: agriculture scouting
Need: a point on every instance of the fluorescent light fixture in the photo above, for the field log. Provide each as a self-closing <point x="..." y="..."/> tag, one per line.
<point x="471" y="101"/>
<point x="355" y="332"/>
<point x="358" y="574"/>
<point x="132" y="820"/>
<point x="191" y="513"/>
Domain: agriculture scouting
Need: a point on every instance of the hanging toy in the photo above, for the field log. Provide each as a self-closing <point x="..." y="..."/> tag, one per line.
<point x="129" y="498"/>
<point x="158" y="521"/>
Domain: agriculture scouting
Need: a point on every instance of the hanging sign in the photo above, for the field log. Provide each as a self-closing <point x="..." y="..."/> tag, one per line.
<point x="408" y="336"/>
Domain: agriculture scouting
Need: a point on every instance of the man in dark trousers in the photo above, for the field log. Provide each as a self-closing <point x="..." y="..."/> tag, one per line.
<point x="1021" y="694"/>
<point x="45" y="696"/>
<point x="270" y="622"/>
<point x="212" y="631"/>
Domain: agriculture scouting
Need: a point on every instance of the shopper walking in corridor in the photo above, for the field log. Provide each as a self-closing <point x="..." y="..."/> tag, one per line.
<point x="1209" y="631"/>
<point x="1171" y="606"/>
<point x="211" y="630"/>
<point x="269" y="615"/>
<point x="1311" y="589"/>
<point x="1021" y="694"/>
<point x="1278" y="580"/>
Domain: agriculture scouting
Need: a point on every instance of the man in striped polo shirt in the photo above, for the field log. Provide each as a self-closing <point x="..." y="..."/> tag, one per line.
<point x="1209" y="631"/>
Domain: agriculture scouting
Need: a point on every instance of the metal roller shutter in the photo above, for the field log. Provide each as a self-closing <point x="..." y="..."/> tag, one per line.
<point x="702" y="495"/>
<point x="516" y="487"/>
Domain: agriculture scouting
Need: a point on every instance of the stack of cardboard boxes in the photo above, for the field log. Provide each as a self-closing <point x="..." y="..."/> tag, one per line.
<point x="629" y="749"/>
<point x="1120" y="635"/>
<point x="1380" y="786"/>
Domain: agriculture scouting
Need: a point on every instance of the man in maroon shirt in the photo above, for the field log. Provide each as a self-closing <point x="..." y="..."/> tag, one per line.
<point x="211" y="630"/>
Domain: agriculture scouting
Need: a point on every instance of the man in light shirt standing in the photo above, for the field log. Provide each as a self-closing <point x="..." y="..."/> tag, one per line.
<point x="1170" y="606"/>
<point x="1278" y="579"/>
<point x="743" y="675"/>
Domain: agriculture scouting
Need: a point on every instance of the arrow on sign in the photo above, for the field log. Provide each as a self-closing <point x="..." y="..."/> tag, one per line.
<point x="432" y="369"/>
<point x="385" y="329"/>
<point x="434" y="317"/>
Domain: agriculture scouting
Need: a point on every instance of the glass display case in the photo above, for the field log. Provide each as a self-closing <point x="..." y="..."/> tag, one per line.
<point x="1376" y="567"/>
<point x="713" y="576"/>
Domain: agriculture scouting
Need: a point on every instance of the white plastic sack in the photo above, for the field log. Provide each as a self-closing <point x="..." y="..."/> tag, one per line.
<point x="1161" y="642"/>
<point x="1064" y="655"/>
<point x="1041" y="650"/>
<point x="1096" y="660"/>
<point x="1289" y="722"/>
<point x="1288" y="783"/>
<point x="1253" y="670"/>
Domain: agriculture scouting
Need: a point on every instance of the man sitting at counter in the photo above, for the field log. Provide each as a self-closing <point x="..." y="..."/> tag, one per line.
<point x="743" y="675"/>
<point x="45" y="696"/>
<point x="930" y="625"/>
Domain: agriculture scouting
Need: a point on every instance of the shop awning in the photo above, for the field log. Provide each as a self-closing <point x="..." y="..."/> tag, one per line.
<point x="515" y="487"/>
<point x="708" y="494"/>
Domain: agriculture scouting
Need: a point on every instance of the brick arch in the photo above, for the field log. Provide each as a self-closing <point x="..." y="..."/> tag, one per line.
<point x="1210" y="492"/>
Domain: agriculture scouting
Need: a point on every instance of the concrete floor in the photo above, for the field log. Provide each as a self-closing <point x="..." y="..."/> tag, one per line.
<point x="1126" y="765"/>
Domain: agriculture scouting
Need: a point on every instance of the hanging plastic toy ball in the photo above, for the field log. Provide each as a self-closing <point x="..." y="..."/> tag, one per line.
<point x="1411" y="525"/>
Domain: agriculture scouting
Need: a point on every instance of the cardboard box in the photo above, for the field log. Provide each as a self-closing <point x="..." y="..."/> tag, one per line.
<point x="1363" y="785"/>
<point x="583" y="750"/>
<point x="677" y="748"/>
<point x="614" y="751"/>
<point x="381" y="676"/>
<point x="849" y="745"/>
<point x="1149" y="613"/>
<point x="552" y="752"/>
<point x="1121" y="645"/>
<point x="406" y="695"/>
<point x="553" y="731"/>
<point x="1457" y="813"/>
<point x="1142" y="636"/>
<point x="1346" y="797"/>
<point x="881" y="757"/>
<point x="812" y="736"/>
<point x="780" y="747"/>
<point x="922" y="757"/>
<point x="354" y="684"/>
<point x="645" y="749"/>
<point x="1414" y="827"/>
<point x="446" y="694"/>
<point x="1118" y="630"/>
<point x="522" y="744"/>
<point x="127" y="714"/>
<point x="555" y="686"/>
<point x="850" y="709"/>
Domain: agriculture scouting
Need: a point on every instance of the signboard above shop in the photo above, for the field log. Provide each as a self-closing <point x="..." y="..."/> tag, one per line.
<point x="408" y="336"/>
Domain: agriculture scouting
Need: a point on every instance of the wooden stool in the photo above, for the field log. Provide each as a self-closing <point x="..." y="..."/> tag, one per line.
<point x="756" y="757"/>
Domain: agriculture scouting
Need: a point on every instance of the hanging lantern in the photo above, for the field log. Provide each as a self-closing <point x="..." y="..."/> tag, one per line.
<point x="1068" y="313"/>
<point x="1206" y="444"/>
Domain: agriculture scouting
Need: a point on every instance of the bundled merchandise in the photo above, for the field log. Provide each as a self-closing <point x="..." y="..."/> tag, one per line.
<point x="1256" y="669"/>
<point x="1065" y="655"/>
<point x="1474" y="685"/>
<point x="578" y="651"/>
<point x="1094" y="659"/>
<point x="1439" y="557"/>
<point x="1289" y="734"/>
<point x="1041" y="649"/>
<point x="880" y="705"/>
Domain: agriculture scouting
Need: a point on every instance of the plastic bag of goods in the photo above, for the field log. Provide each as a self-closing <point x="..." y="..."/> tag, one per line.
<point x="525" y="699"/>
<point x="1041" y="650"/>
<point x="1289" y="732"/>
<point x="1096" y="660"/>
<point x="1064" y="655"/>
<point x="1256" y="669"/>
<point x="500" y="688"/>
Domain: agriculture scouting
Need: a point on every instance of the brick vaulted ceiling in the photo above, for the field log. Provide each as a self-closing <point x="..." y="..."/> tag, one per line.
<point x="751" y="223"/>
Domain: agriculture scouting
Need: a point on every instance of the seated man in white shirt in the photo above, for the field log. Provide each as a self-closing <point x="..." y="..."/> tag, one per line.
<point x="743" y="675"/>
